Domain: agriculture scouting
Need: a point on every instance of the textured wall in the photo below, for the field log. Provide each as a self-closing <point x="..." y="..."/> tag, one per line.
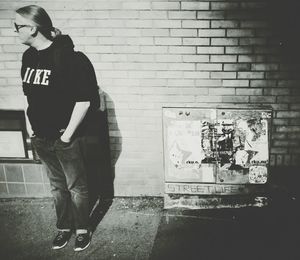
<point x="149" y="54"/>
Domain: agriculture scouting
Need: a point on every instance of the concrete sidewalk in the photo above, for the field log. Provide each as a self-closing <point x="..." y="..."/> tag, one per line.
<point x="139" y="228"/>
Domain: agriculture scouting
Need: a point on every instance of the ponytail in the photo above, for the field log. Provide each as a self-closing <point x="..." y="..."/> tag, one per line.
<point x="41" y="19"/>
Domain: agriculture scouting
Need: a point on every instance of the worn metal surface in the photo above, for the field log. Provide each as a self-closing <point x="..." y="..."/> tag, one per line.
<point x="221" y="151"/>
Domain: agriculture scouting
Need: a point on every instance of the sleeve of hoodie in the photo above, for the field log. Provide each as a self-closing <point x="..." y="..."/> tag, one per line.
<point x="85" y="81"/>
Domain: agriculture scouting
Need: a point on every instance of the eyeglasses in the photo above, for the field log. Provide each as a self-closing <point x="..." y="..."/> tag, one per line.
<point x="19" y="26"/>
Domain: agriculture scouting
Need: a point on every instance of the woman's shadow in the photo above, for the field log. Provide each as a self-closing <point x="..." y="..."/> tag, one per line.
<point x="101" y="154"/>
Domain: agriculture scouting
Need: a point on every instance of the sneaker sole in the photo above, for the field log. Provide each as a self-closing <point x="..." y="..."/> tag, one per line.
<point x="77" y="249"/>
<point x="60" y="247"/>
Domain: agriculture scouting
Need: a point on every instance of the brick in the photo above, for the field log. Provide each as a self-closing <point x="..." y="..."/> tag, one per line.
<point x="168" y="58"/>
<point x="278" y="75"/>
<point x="266" y="50"/>
<point x="221" y="91"/>
<point x="224" y="6"/>
<point x="98" y="49"/>
<point x="224" y="24"/>
<point x="288" y="83"/>
<point x="253" y="41"/>
<point x="138" y="24"/>
<point x="264" y="67"/>
<point x="240" y="33"/>
<point x="182" y="50"/>
<point x="209" y="15"/>
<point x="183" y="32"/>
<point x="194" y="6"/>
<point x="235" y="99"/>
<point x="223" y="75"/>
<point x="166" y="24"/>
<point x="280" y="106"/>
<point x="276" y="91"/>
<point x="277" y="150"/>
<point x="277" y="136"/>
<point x="249" y="92"/>
<point x="279" y="160"/>
<point x="14" y="48"/>
<point x="116" y="14"/>
<point x="254" y="24"/>
<point x="238" y="50"/>
<point x="262" y="99"/>
<point x="182" y="15"/>
<point x="223" y="58"/>
<point x="262" y="83"/>
<point x="181" y="67"/>
<point x="169" y="74"/>
<point x="208" y="99"/>
<point x="237" y="67"/>
<point x="209" y="82"/>
<point x="96" y="32"/>
<point x="251" y="58"/>
<point x="284" y="143"/>
<point x="287" y="160"/>
<point x="9" y="57"/>
<point x="180" y="83"/>
<point x="155" y="32"/>
<point x="153" y="14"/>
<point x="288" y="99"/>
<point x="136" y="5"/>
<point x="209" y="66"/>
<point x="211" y="33"/>
<point x="111" y="23"/>
<point x="288" y="114"/>
<point x="168" y="41"/>
<point x="7" y="32"/>
<point x="7" y="40"/>
<point x="195" y="58"/>
<point x="224" y="41"/>
<point x="5" y="22"/>
<point x="272" y="160"/>
<point x="236" y="83"/>
<point x="196" y="41"/>
<point x="140" y="41"/>
<point x="280" y="121"/>
<point x="196" y="75"/>
<point x="195" y="24"/>
<point x="295" y="106"/>
<point x="154" y="49"/>
<point x="253" y="5"/>
<point x="250" y="75"/>
<point x="165" y="5"/>
<point x="210" y="50"/>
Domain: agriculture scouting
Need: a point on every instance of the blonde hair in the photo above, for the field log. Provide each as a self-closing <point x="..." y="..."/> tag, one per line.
<point x="41" y="19"/>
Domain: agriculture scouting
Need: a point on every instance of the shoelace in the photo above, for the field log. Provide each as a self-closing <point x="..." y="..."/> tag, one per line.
<point x="60" y="235"/>
<point x="80" y="237"/>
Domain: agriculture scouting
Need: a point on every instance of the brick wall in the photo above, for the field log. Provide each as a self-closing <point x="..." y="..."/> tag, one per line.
<point x="148" y="54"/>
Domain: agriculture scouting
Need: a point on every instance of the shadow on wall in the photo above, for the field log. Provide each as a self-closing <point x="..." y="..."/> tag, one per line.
<point x="101" y="160"/>
<point x="284" y="19"/>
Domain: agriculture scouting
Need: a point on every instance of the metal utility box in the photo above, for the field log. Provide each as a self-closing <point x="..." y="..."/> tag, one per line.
<point x="211" y="152"/>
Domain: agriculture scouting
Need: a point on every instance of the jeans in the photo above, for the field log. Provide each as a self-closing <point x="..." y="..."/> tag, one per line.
<point x="68" y="180"/>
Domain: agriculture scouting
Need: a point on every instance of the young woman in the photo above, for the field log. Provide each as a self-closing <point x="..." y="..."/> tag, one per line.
<point x="61" y="92"/>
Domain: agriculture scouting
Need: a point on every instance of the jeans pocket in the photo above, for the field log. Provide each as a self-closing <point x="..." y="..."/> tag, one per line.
<point x="60" y="145"/>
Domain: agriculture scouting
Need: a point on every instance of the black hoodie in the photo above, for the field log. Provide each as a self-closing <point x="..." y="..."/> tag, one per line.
<point x="54" y="79"/>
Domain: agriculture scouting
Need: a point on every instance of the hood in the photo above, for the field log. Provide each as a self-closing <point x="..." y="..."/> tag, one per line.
<point x="63" y="42"/>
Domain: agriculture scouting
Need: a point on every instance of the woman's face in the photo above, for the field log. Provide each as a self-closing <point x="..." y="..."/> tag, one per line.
<point x="25" y="29"/>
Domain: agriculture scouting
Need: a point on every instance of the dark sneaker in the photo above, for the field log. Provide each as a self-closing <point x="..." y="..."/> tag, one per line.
<point x="61" y="239"/>
<point x="82" y="241"/>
